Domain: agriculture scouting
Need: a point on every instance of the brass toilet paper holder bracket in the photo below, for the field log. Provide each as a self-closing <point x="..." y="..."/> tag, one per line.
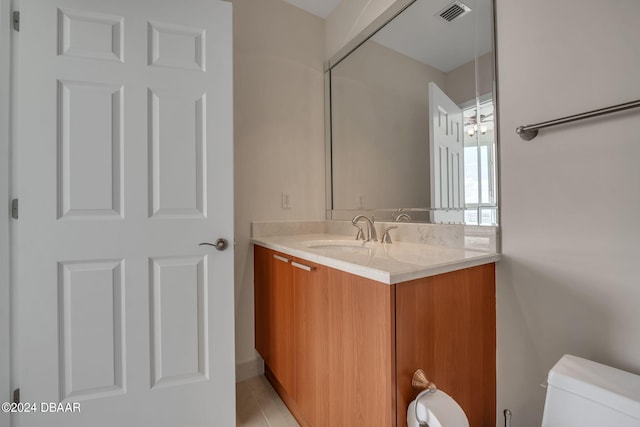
<point x="419" y="381"/>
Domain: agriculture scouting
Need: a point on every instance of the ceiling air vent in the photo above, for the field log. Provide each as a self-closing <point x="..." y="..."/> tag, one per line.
<point x="454" y="10"/>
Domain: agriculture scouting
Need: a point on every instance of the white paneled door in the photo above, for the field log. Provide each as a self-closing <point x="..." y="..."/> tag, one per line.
<point x="446" y="148"/>
<point x="125" y="166"/>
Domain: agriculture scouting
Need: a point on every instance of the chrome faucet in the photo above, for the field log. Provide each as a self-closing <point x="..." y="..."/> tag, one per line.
<point x="398" y="216"/>
<point x="386" y="237"/>
<point x="371" y="229"/>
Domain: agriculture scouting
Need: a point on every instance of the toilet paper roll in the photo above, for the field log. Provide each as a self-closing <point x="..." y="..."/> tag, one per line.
<point x="436" y="409"/>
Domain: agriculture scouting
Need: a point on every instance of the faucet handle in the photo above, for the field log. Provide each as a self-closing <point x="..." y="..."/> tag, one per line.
<point x="386" y="237"/>
<point x="402" y="217"/>
<point x="360" y="233"/>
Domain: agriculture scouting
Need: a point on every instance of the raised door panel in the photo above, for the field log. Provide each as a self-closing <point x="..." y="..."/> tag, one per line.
<point x="446" y="326"/>
<point x="177" y="153"/>
<point x="311" y="339"/>
<point x="178" y="317"/>
<point x="176" y="46"/>
<point x="90" y="35"/>
<point x="91" y="296"/>
<point x="361" y="360"/>
<point x="90" y="160"/>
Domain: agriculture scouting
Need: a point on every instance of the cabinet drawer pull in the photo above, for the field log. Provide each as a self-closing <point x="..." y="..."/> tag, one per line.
<point x="302" y="266"/>
<point x="281" y="258"/>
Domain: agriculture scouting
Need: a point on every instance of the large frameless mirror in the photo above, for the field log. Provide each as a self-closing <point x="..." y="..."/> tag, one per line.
<point x="411" y="117"/>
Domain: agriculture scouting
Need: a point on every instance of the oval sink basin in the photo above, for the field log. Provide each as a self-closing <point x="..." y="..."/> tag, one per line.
<point x="346" y="245"/>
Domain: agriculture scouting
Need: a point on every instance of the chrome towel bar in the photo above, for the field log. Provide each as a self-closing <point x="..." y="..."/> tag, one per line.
<point x="529" y="132"/>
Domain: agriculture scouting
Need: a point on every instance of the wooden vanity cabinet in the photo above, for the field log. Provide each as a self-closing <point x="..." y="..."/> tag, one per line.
<point x="340" y="330"/>
<point x="352" y="343"/>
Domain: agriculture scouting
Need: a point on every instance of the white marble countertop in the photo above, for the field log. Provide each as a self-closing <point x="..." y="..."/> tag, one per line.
<point x="387" y="263"/>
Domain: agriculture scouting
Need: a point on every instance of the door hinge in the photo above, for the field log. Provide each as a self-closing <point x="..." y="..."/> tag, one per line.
<point x="14" y="209"/>
<point x="15" y="19"/>
<point x="16" y="395"/>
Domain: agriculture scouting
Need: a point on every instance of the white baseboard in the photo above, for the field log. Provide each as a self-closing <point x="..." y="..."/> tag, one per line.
<point x="249" y="369"/>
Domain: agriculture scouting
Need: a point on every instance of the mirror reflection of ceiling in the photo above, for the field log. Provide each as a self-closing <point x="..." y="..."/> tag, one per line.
<point x="421" y="34"/>
<point x="321" y="8"/>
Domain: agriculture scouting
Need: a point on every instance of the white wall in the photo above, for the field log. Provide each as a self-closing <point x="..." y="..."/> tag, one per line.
<point x="348" y="19"/>
<point x="462" y="81"/>
<point x="279" y="132"/>
<point x="570" y="210"/>
<point x="380" y="101"/>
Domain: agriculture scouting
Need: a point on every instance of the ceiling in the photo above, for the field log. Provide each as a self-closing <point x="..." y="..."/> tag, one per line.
<point x="420" y="34"/>
<point x="321" y="8"/>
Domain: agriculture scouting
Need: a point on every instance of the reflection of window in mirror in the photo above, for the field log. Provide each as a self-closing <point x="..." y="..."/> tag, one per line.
<point x="479" y="162"/>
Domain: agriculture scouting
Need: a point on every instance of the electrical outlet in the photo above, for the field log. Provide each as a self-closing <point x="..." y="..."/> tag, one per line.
<point x="360" y="201"/>
<point x="286" y="200"/>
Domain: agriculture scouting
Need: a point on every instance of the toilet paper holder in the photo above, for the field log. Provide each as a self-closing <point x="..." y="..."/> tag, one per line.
<point x="419" y="381"/>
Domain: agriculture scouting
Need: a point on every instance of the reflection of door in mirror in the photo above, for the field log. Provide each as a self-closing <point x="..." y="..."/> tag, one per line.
<point x="446" y="146"/>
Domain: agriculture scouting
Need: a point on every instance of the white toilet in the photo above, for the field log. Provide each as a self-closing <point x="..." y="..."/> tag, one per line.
<point x="585" y="393"/>
<point x="580" y="393"/>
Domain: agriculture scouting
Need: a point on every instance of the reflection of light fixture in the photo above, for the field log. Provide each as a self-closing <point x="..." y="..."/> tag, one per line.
<point x="479" y="119"/>
<point x="473" y="129"/>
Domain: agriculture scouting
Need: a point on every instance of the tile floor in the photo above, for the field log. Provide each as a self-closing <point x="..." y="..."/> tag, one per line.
<point x="258" y="405"/>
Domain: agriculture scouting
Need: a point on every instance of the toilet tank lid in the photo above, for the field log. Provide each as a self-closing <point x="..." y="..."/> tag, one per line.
<point x="609" y="386"/>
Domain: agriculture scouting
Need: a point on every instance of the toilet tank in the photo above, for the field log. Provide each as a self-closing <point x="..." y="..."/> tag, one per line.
<point x="585" y="394"/>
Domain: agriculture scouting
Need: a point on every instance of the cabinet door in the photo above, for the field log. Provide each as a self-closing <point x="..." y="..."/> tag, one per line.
<point x="273" y="295"/>
<point x="361" y="351"/>
<point x="281" y="321"/>
<point x="311" y="342"/>
<point x="446" y="325"/>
